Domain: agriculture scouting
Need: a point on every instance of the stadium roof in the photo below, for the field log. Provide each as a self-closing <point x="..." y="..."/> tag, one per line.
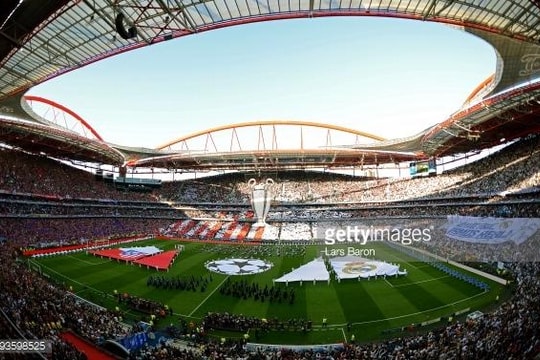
<point x="278" y="144"/>
<point x="40" y="40"/>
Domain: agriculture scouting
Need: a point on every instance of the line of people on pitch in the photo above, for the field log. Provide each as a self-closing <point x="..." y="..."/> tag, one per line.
<point x="144" y="305"/>
<point x="242" y="289"/>
<point x="187" y="283"/>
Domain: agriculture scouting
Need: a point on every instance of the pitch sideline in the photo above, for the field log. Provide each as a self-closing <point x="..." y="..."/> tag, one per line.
<point x="208" y="297"/>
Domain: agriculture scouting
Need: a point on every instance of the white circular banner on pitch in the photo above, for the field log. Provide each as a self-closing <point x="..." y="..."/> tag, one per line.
<point x="238" y="266"/>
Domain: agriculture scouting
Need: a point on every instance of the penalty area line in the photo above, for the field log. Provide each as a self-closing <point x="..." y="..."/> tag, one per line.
<point x="401" y="259"/>
<point x="85" y="286"/>
<point x="208" y="297"/>
<point x="388" y="282"/>
<point x="422" y="312"/>
<point x="344" y="336"/>
<point x="422" y="281"/>
<point x="411" y="314"/>
<point x="88" y="262"/>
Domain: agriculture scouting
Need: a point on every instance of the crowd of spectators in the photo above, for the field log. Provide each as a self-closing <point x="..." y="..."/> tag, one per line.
<point x="228" y="188"/>
<point x="62" y="350"/>
<point x="511" y="169"/>
<point x="82" y="223"/>
<point x="463" y="251"/>
<point x="69" y="231"/>
<point x="471" y="206"/>
<point x="30" y="206"/>
<point x="295" y="231"/>
<point x="441" y="244"/>
<point x="40" y="309"/>
<point x="41" y="202"/>
<point x="301" y="230"/>
<point x="34" y="174"/>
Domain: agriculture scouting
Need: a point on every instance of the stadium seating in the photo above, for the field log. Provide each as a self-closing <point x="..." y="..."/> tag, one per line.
<point x="60" y="206"/>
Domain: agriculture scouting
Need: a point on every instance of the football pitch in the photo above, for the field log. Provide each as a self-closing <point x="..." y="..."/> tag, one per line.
<point x="369" y="309"/>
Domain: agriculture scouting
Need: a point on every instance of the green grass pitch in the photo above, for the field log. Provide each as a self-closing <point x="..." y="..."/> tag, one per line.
<point x="369" y="307"/>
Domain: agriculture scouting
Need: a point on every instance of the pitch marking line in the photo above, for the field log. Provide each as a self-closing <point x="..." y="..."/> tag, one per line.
<point x="401" y="259"/>
<point x="208" y="297"/>
<point x="344" y="336"/>
<point x="88" y="262"/>
<point x="73" y="280"/>
<point x="389" y="283"/>
<point x="80" y="291"/>
<point x="421" y="282"/>
<point x="407" y="315"/>
<point x="421" y="312"/>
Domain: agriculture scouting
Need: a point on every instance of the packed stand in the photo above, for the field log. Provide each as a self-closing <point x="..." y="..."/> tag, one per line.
<point x="23" y="173"/>
<point x="509" y="170"/>
<point x="42" y="310"/>
<point x="43" y="232"/>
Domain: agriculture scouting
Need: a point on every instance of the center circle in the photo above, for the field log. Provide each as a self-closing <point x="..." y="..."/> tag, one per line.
<point x="238" y="266"/>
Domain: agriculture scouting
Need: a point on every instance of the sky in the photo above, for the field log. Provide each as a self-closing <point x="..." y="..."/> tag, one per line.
<point x="389" y="77"/>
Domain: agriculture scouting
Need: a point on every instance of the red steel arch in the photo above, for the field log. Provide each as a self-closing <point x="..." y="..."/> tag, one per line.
<point x="480" y="87"/>
<point x="30" y="98"/>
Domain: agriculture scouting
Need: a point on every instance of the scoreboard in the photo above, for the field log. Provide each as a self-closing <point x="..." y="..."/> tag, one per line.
<point x="423" y="168"/>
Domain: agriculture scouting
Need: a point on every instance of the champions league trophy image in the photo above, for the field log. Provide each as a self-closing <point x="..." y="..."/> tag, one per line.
<point x="261" y="195"/>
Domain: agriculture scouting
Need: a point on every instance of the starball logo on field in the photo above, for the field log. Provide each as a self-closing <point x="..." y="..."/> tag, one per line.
<point x="362" y="235"/>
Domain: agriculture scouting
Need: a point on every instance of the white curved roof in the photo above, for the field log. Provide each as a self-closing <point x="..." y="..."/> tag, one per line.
<point x="83" y="31"/>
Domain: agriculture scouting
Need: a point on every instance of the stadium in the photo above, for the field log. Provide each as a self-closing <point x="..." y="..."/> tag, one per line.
<point x="275" y="239"/>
